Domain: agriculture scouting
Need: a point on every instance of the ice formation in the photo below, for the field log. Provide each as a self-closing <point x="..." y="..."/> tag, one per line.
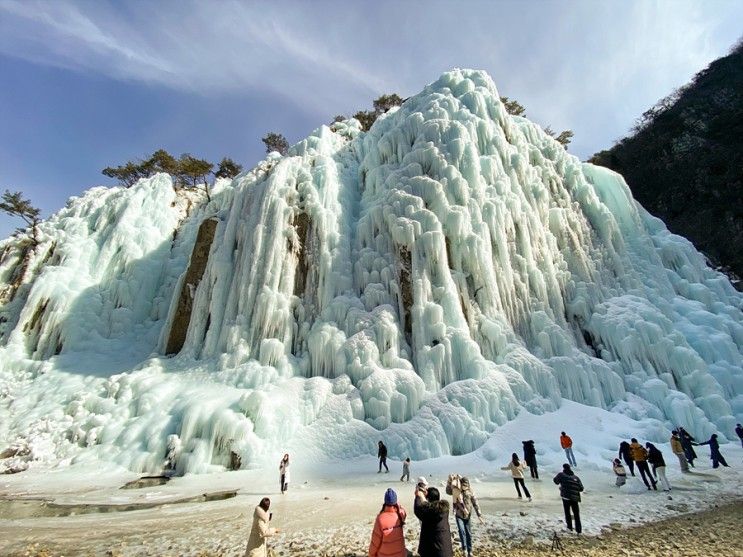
<point x="422" y="283"/>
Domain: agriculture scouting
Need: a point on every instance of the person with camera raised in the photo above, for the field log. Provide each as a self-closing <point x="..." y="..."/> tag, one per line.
<point x="433" y="512"/>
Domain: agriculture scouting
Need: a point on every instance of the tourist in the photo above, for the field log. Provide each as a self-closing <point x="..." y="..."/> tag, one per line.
<point x="388" y="538"/>
<point x="567" y="443"/>
<point x="739" y="433"/>
<point x="382" y="454"/>
<point x="260" y="530"/>
<point x="570" y="488"/>
<point x="715" y="455"/>
<point x="284" y="473"/>
<point x="626" y="455"/>
<point x="405" y="470"/>
<point x="464" y="502"/>
<point x="678" y="450"/>
<point x="640" y="456"/>
<point x="620" y="472"/>
<point x="687" y="442"/>
<point x="517" y="473"/>
<point x="530" y="457"/>
<point x="435" y="540"/>
<point x="655" y="458"/>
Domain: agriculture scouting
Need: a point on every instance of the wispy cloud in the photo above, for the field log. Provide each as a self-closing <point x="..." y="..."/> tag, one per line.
<point x="572" y="64"/>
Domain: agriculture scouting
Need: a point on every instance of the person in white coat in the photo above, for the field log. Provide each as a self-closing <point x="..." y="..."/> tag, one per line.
<point x="284" y="473"/>
<point x="260" y="530"/>
<point x="516" y="468"/>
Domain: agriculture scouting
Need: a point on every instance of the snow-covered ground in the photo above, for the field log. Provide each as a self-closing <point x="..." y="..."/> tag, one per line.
<point x="332" y="503"/>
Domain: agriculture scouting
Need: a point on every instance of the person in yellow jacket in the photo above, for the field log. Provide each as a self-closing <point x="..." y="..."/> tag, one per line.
<point x="640" y="456"/>
<point x="260" y="531"/>
<point x="678" y="449"/>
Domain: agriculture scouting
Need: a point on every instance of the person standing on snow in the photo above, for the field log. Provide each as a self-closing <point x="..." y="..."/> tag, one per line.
<point x="626" y="454"/>
<point x="640" y="456"/>
<point x="517" y="473"/>
<point x="620" y="472"/>
<point x="530" y="457"/>
<point x="464" y="503"/>
<point x="687" y="442"/>
<point x="435" y="540"/>
<point x="570" y="488"/>
<point x="284" y="473"/>
<point x="382" y="454"/>
<point x="739" y="432"/>
<point x="405" y="470"/>
<point x="388" y="536"/>
<point x="678" y="450"/>
<point x="714" y="449"/>
<point x="655" y="458"/>
<point x="260" y="530"/>
<point x="567" y="443"/>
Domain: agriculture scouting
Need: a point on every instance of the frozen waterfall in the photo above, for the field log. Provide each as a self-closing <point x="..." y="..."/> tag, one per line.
<point x="423" y="282"/>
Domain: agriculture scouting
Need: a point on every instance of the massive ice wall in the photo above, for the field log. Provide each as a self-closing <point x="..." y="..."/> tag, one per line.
<point x="422" y="282"/>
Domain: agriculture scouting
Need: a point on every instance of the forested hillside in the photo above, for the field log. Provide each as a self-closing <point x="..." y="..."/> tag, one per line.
<point x="684" y="161"/>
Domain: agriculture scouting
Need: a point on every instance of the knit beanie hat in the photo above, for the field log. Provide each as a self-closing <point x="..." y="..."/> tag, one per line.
<point x="422" y="480"/>
<point x="390" y="497"/>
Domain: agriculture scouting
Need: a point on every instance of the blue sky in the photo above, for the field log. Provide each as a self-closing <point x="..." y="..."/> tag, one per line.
<point x="91" y="84"/>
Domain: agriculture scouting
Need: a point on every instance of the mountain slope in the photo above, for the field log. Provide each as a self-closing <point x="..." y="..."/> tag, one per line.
<point x="685" y="164"/>
<point x="422" y="282"/>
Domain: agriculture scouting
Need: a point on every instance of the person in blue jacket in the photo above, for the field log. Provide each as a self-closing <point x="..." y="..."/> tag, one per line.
<point x="714" y="450"/>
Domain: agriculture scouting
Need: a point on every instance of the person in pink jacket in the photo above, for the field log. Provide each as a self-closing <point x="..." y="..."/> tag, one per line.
<point x="388" y="538"/>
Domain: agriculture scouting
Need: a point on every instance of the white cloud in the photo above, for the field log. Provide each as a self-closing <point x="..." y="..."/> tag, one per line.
<point x="574" y="64"/>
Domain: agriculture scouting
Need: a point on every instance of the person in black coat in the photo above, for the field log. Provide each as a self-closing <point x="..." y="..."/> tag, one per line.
<point x="570" y="488"/>
<point x="624" y="454"/>
<point x="382" y="454"/>
<point x="687" y="442"/>
<point x="714" y="450"/>
<point x="530" y="457"/>
<point x="656" y="460"/>
<point x="435" y="540"/>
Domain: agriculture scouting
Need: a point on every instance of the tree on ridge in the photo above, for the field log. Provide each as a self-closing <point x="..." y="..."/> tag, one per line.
<point x="14" y="205"/>
<point x="275" y="142"/>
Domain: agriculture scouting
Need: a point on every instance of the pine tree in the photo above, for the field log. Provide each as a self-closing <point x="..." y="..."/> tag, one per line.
<point x="385" y="102"/>
<point x="193" y="171"/>
<point x="565" y="137"/>
<point x="381" y="105"/>
<point x="276" y="142"/>
<point x="366" y="118"/>
<point x="513" y="107"/>
<point x="14" y="205"/>
<point x="161" y="161"/>
<point x="127" y="174"/>
<point x="228" y="168"/>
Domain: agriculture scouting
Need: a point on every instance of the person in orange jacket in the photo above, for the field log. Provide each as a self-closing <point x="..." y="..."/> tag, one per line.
<point x="567" y="443"/>
<point x="640" y="456"/>
<point x="388" y="537"/>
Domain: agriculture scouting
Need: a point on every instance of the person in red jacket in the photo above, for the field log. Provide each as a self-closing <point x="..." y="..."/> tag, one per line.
<point x="567" y="443"/>
<point x="388" y="538"/>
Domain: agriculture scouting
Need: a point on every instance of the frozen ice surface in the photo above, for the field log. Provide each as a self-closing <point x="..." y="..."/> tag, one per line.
<point x="424" y="282"/>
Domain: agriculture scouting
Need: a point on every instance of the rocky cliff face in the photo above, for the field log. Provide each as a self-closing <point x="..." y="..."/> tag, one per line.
<point x="685" y="163"/>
